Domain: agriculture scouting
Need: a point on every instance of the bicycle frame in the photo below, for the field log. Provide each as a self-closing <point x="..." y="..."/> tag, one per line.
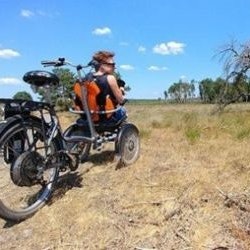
<point x="94" y="136"/>
<point x="79" y="68"/>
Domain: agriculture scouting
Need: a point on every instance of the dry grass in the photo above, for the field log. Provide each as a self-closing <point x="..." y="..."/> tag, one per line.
<point x="189" y="189"/>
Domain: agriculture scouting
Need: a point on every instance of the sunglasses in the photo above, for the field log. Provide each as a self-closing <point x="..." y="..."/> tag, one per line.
<point x="109" y="64"/>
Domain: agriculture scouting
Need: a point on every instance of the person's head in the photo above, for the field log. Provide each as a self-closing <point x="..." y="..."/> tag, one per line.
<point x="105" y="61"/>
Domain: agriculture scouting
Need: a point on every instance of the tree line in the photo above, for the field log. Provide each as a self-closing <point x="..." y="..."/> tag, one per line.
<point x="210" y="91"/>
<point x="234" y="87"/>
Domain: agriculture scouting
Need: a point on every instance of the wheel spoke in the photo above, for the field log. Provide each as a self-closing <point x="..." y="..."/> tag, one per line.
<point x="23" y="187"/>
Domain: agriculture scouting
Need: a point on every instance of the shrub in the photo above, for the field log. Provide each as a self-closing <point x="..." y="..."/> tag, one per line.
<point x="63" y="104"/>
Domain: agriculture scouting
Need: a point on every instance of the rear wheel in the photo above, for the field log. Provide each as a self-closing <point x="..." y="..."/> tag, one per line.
<point x="26" y="183"/>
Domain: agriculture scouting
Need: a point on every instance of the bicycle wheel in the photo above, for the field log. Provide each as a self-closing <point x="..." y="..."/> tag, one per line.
<point x="82" y="149"/>
<point x="128" y="145"/>
<point x="25" y="182"/>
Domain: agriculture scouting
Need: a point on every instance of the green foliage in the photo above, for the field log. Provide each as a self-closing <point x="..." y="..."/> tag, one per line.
<point x="210" y="90"/>
<point x="181" y="91"/>
<point x="64" y="90"/>
<point x="23" y="95"/>
<point x="63" y="104"/>
<point x="243" y="133"/>
<point x="145" y="102"/>
<point x="213" y="91"/>
<point x="235" y="124"/>
<point x="191" y="126"/>
<point x="67" y="80"/>
<point x="192" y="134"/>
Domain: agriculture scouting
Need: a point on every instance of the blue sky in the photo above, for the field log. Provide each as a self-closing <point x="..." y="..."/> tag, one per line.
<point x="156" y="42"/>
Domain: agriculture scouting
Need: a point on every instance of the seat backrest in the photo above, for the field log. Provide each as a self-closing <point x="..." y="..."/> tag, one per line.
<point x="99" y="111"/>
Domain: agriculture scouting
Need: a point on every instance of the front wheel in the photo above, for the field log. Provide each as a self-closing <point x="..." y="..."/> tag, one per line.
<point x="26" y="183"/>
<point x="81" y="149"/>
<point x="127" y="146"/>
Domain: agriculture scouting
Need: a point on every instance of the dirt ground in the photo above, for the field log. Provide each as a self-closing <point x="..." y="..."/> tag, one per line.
<point x="190" y="188"/>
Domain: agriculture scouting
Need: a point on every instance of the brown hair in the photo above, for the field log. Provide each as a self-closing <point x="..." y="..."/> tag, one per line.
<point x="102" y="56"/>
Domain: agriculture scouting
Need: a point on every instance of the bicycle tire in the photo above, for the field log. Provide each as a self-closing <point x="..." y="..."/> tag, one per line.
<point x="83" y="148"/>
<point x="18" y="202"/>
<point x="127" y="146"/>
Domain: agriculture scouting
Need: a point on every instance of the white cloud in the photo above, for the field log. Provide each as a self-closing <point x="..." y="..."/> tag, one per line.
<point x="126" y="67"/>
<point x="141" y="49"/>
<point x="27" y="13"/>
<point x="124" y="43"/>
<point x="156" y="68"/>
<point x="102" y="31"/>
<point x="10" y="81"/>
<point x="47" y="14"/>
<point x="8" y="53"/>
<point x="169" y="48"/>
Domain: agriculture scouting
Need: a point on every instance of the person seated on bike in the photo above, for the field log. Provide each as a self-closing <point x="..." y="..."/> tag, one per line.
<point x="104" y="75"/>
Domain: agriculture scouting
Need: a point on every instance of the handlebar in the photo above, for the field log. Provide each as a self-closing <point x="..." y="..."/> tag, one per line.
<point x="57" y="63"/>
<point x="61" y="62"/>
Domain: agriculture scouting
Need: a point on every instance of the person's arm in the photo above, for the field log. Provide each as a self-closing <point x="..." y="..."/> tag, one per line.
<point x="115" y="89"/>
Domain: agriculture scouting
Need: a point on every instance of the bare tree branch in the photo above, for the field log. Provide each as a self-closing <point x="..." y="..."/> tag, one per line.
<point x="236" y="60"/>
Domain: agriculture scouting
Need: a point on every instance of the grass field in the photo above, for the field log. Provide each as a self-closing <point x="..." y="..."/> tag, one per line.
<point x="190" y="188"/>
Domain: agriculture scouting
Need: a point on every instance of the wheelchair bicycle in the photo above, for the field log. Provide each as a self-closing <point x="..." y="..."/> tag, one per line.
<point x="34" y="149"/>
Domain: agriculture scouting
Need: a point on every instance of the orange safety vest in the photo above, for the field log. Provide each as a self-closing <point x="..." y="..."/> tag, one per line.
<point x="94" y="92"/>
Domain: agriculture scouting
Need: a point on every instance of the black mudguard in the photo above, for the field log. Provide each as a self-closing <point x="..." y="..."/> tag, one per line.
<point x="13" y="120"/>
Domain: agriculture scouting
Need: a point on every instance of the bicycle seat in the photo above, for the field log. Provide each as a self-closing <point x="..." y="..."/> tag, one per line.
<point x="40" y="78"/>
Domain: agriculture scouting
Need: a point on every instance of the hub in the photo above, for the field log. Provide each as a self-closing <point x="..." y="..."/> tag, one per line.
<point x="26" y="169"/>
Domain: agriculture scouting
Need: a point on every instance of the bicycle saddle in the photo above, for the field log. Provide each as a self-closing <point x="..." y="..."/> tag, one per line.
<point x="40" y="78"/>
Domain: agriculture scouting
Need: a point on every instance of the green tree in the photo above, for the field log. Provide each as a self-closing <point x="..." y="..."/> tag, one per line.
<point x="181" y="91"/>
<point x="67" y="80"/>
<point x="211" y="90"/>
<point x="64" y="90"/>
<point x="23" y="95"/>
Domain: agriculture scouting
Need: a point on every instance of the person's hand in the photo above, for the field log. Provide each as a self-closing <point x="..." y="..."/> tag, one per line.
<point x="122" y="90"/>
<point x="121" y="83"/>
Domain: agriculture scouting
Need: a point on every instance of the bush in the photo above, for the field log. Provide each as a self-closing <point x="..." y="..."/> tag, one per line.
<point x="63" y="104"/>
